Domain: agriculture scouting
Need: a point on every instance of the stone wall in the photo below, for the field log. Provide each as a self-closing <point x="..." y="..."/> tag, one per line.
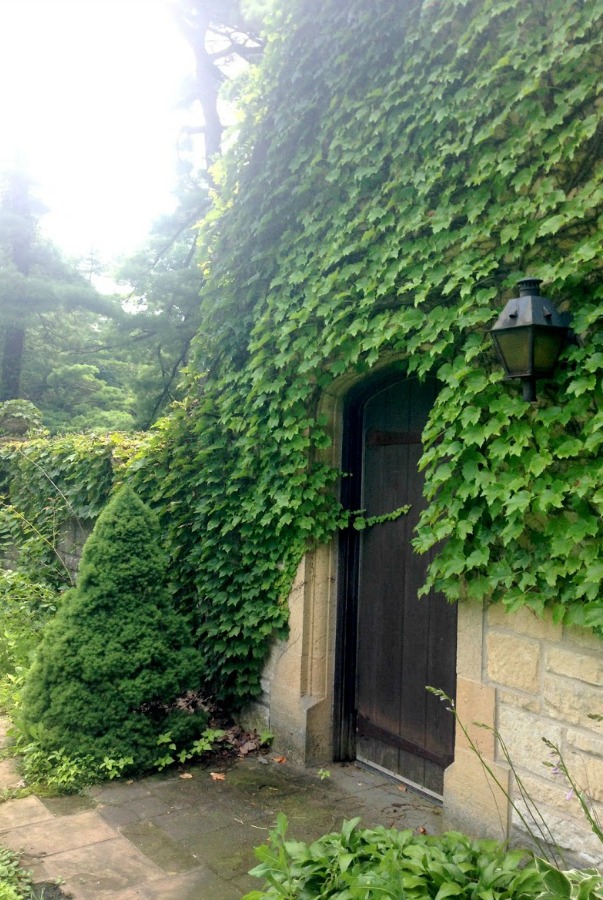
<point x="530" y="679"/>
<point x="72" y="536"/>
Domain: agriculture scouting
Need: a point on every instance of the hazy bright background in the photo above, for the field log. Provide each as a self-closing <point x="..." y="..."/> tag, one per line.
<point x="88" y="90"/>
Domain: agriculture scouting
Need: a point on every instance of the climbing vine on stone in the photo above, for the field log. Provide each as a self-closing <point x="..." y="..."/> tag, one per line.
<point x="47" y="483"/>
<point x="398" y="168"/>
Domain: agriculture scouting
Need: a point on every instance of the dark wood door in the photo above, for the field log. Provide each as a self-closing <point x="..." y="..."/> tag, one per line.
<point x="403" y="643"/>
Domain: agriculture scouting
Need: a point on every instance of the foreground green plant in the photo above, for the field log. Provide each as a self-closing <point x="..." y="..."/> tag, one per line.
<point x="56" y="772"/>
<point x="572" y="884"/>
<point x="173" y="754"/>
<point x="366" y="864"/>
<point x="26" y="605"/>
<point x="15" y="882"/>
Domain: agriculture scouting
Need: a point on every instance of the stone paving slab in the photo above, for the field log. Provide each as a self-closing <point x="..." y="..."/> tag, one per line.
<point x="172" y="838"/>
<point x="202" y="884"/>
<point x="54" y="835"/>
<point x="9" y="777"/>
<point x="152" y="840"/>
<point x="101" y="870"/>
<point x="26" y="811"/>
<point x="68" y="805"/>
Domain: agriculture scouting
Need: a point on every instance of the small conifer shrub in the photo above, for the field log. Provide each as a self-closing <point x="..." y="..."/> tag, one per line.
<point x="117" y="657"/>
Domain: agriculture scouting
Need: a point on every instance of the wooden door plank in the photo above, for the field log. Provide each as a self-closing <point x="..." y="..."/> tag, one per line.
<point x="403" y="643"/>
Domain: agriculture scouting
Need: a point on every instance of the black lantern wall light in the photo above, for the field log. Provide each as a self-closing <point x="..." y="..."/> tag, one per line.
<point x="529" y="335"/>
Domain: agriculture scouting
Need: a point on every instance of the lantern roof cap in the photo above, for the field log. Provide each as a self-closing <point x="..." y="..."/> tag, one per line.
<point x="530" y="308"/>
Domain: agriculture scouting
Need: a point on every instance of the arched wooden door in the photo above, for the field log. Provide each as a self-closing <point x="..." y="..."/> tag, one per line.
<point x="394" y="644"/>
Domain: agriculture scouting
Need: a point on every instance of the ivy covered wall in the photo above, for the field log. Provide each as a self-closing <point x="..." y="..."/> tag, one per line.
<point x="399" y="166"/>
<point x="51" y="492"/>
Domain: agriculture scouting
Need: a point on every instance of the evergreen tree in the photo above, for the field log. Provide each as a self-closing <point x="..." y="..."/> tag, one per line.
<point x="117" y="657"/>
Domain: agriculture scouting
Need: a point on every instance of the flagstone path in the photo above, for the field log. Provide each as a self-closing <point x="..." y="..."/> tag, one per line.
<point x="171" y="838"/>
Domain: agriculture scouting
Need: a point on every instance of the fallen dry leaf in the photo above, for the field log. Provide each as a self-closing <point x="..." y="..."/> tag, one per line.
<point x="279" y="759"/>
<point x="422" y="830"/>
<point x="402" y="787"/>
<point x="248" y="746"/>
<point x="186" y="775"/>
<point x="218" y="776"/>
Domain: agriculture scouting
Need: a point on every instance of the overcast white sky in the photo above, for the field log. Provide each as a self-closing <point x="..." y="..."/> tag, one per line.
<point x="87" y="96"/>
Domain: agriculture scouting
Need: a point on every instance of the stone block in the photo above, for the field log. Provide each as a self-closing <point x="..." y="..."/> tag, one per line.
<point x="583" y="637"/>
<point x="559" y="819"/>
<point x="470" y="641"/>
<point x="573" y="702"/>
<point x="530" y="702"/>
<point x="475" y="705"/>
<point x="585" y="742"/>
<point x="473" y="801"/>
<point x="255" y="717"/>
<point x="587" y="773"/>
<point x="524" y="621"/>
<point x="576" y="663"/>
<point x="287" y="672"/>
<point x="522" y="733"/>
<point x="514" y="661"/>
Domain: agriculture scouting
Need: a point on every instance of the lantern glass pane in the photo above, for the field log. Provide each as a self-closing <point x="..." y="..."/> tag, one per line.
<point x="514" y="350"/>
<point x="547" y="346"/>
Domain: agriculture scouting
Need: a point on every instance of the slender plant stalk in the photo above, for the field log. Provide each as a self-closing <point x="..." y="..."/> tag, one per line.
<point x="39" y="534"/>
<point x="548" y="852"/>
<point x="55" y="486"/>
<point x="589" y="811"/>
